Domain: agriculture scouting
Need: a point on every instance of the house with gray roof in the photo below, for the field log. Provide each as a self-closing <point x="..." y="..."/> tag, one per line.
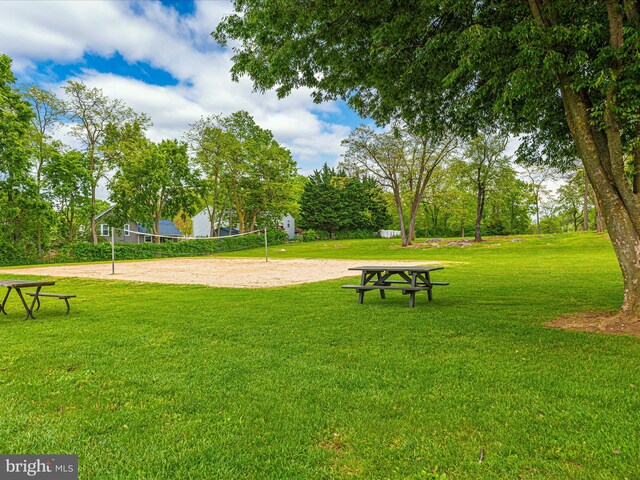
<point x="133" y="232"/>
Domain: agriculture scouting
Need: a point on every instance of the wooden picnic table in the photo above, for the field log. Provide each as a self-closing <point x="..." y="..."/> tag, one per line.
<point x="18" y="285"/>
<point x="409" y="280"/>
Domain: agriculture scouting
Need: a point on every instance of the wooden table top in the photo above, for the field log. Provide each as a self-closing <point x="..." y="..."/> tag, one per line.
<point x="25" y="283"/>
<point x="395" y="268"/>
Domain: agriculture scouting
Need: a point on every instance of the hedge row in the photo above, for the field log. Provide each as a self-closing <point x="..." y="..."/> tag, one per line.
<point x="87" y="252"/>
<point x="310" y="235"/>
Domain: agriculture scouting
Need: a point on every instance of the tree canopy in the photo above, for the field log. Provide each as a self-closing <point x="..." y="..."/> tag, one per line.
<point x="561" y="74"/>
<point x="332" y="201"/>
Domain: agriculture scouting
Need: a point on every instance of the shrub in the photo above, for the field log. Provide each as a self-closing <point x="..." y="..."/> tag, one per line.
<point x="310" y="235"/>
<point x="354" y="234"/>
<point x="87" y="252"/>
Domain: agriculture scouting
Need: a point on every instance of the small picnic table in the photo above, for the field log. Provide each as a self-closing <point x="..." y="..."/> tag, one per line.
<point x="408" y="279"/>
<point x="18" y="285"/>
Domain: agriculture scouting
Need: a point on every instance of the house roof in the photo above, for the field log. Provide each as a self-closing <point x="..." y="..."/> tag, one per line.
<point x="104" y="212"/>
<point x="167" y="227"/>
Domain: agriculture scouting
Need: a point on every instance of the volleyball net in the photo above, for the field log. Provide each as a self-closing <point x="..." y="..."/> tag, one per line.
<point x="135" y="245"/>
<point x="147" y="237"/>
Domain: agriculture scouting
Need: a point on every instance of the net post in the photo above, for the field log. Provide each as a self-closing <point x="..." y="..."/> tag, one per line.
<point x="266" y="246"/>
<point x="113" y="251"/>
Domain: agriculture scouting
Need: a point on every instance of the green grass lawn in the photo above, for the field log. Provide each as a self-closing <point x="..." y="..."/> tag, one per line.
<point x="179" y="382"/>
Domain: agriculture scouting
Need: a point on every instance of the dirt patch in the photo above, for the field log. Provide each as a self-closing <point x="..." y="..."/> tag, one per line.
<point x="601" y="322"/>
<point x="213" y="272"/>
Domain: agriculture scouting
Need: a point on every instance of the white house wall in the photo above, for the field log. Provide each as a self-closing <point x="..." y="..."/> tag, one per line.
<point x="289" y="225"/>
<point x="202" y="225"/>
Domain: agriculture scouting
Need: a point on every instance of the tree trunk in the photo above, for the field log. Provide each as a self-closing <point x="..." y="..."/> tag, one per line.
<point x="219" y="224"/>
<point x="412" y="227"/>
<point x="215" y="206"/>
<point x="426" y="222"/>
<point x="412" y="221"/>
<point x="94" y="234"/>
<point x="94" y="183"/>
<point x="435" y="222"/>
<point x="585" y="206"/>
<point x="479" y="213"/>
<point x="403" y="234"/>
<point x="626" y="244"/>
<point x="156" y="226"/>
<point x="602" y="157"/>
<point x="212" y="221"/>
<point x="599" y="220"/>
<point x="537" y="214"/>
<point x="601" y="152"/>
<point x="70" y="223"/>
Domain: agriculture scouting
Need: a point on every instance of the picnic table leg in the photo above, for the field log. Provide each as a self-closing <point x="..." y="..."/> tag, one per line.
<point x="26" y="307"/>
<point x="363" y="282"/>
<point x="33" y="302"/>
<point x="414" y="283"/>
<point x="430" y="291"/>
<point x="5" y="300"/>
<point x="381" y="290"/>
<point x="65" y="301"/>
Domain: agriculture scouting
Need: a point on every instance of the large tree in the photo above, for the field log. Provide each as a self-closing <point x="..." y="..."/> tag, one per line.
<point x="211" y="147"/>
<point x="259" y="174"/>
<point x="93" y="113"/>
<point x="571" y="200"/>
<point x="401" y="161"/>
<point x="320" y="206"/>
<point x="48" y="112"/>
<point x="563" y="74"/>
<point x="332" y="201"/>
<point x="152" y="181"/>
<point x="68" y="185"/>
<point x="484" y="164"/>
<point x="537" y="176"/>
<point x="17" y="189"/>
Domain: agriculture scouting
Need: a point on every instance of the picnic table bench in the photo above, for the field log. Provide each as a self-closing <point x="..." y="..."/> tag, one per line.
<point x="18" y="285"/>
<point x="61" y="296"/>
<point x="409" y="280"/>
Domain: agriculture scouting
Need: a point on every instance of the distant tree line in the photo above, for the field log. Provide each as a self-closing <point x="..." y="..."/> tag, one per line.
<point x="48" y="190"/>
<point x="429" y="186"/>
<point x="420" y="184"/>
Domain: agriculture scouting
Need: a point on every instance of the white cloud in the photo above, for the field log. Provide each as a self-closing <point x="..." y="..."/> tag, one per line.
<point x="145" y="31"/>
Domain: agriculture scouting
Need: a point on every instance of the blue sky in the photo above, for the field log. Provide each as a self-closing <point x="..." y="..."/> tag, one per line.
<point x="159" y="57"/>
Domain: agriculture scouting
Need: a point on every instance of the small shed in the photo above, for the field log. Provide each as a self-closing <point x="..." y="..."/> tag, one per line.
<point x="289" y="225"/>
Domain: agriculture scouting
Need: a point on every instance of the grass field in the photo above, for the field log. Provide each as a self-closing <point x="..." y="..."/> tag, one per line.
<point x="178" y="382"/>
